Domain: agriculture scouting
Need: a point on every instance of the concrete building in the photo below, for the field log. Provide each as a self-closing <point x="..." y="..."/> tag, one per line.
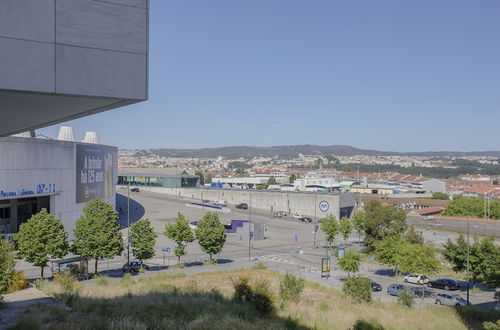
<point x="61" y="60"/>
<point x="241" y="182"/>
<point x="60" y="176"/>
<point x="65" y="59"/>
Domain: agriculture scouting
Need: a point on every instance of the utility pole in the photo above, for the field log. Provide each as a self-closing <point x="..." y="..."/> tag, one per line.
<point x="316" y="221"/>
<point x="249" y="222"/>
<point x="468" y="256"/>
<point x="128" y="224"/>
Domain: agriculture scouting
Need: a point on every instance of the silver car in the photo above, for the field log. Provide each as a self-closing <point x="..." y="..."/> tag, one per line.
<point x="451" y="300"/>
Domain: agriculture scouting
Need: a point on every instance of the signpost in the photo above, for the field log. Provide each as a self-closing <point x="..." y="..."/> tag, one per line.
<point x="325" y="267"/>
<point x="315" y="230"/>
<point x="296" y="238"/>
<point x="340" y="253"/>
<point x="324" y="206"/>
<point x="165" y="251"/>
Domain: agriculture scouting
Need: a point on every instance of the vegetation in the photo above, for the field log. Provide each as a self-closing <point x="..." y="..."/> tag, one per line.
<point x="271" y="181"/>
<point x="96" y="232"/>
<point x="414" y="236"/>
<point x="292" y="178"/>
<point x="330" y="227"/>
<point x="473" y="207"/>
<point x="211" y="234"/>
<point x="406" y="299"/>
<point x="345" y="228"/>
<point x="440" y="195"/>
<point x="7" y="264"/>
<point x="207" y="301"/>
<point x="41" y="238"/>
<point x="359" y="289"/>
<point x="142" y="240"/>
<point x="181" y="234"/>
<point x="357" y="223"/>
<point x="291" y="287"/>
<point x="380" y="221"/>
<point x="349" y="262"/>
<point x="484" y="258"/>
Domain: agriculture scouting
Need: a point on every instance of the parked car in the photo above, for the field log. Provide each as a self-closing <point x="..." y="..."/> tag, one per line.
<point x="134" y="267"/>
<point x="305" y="219"/>
<point x="221" y="203"/>
<point x="451" y="300"/>
<point x="243" y="206"/>
<point x="444" y="283"/>
<point x="296" y="216"/>
<point x="395" y="289"/>
<point x="416" y="279"/>
<point x="375" y="286"/>
<point x="419" y="292"/>
<point x="277" y="215"/>
<point x="135" y="190"/>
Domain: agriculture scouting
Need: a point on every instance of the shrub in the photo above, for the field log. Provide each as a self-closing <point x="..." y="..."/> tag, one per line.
<point x="127" y="280"/>
<point x="27" y="323"/>
<point x="260" y="266"/>
<point x="491" y="325"/>
<point x="358" y="289"/>
<point x="371" y="324"/>
<point x="262" y="298"/>
<point x="405" y="298"/>
<point x="66" y="281"/>
<point x="242" y="289"/>
<point x="473" y="314"/>
<point x="323" y="306"/>
<point x="102" y="280"/>
<point x="291" y="287"/>
<point x="177" y="266"/>
<point x="18" y="281"/>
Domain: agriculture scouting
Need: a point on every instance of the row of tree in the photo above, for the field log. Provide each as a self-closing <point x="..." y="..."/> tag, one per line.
<point x="96" y="235"/>
<point x="474" y="207"/>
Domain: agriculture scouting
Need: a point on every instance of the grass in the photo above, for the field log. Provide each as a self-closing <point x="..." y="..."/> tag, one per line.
<point x="205" y="301"/>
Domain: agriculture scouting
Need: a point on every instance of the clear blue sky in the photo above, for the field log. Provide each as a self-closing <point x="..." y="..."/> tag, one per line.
<point x="388" y="75"/>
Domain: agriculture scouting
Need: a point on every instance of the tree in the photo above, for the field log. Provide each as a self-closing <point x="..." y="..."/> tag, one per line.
<point x="142" y="240"/>
<point x="381" y="221"/>
<point x="7" y="264"/>
<point x="473" y="207"/>
<point x="387" y="251"/>
<point x="181" y="233"/>
<point x="211" y="234"/>
<point x="357" y="222"/>
<point x="414" y="236"/>
<point x="292" y="178"/>
<point x="97" y="232"/>
<point x="495" y="182"/>
<point x="41" y="238"/>
<point x="349" y="262"/>
<point x="184" y="172"/>
<point x="358" y="288"/>
<point x="330" y="227"/>
<point x="345" y="228"/>
<point x="484" y="258"/>
<point x="271" y="181"/>
<point x="417" y="258"/>
<point x="202" y="178"/>
<point x="440" y="195"/>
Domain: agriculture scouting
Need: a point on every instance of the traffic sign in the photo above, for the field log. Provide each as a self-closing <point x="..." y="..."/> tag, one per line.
<point x="167" y="249"/>
<point x="296" y="237"/>
<point x="324" y="206"/>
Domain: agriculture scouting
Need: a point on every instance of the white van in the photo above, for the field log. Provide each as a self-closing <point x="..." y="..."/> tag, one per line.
<point x="221" y="203"/>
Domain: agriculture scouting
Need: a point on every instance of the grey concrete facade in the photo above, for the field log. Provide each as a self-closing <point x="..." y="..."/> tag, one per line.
<point x="64" y="59"/>
<point x="306" y="204"/>
<point x="45" y="171"/>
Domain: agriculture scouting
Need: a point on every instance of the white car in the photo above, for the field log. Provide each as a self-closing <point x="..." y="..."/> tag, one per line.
<point x="297" y="216"/>
<point x="221" y="203"/>
<point x="416" y="279"/>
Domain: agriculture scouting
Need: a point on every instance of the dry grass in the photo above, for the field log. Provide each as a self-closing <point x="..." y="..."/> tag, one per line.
<point x="204" y="301"/>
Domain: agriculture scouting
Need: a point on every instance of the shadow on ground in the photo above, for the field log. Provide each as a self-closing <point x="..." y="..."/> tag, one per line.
<point x="137" y="211"/>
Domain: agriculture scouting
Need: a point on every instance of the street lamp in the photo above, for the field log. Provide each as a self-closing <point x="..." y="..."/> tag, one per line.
<point x="468" y="255"/>
<point x="128" y="224"/>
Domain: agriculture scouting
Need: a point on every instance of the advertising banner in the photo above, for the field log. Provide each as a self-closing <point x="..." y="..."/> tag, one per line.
<point x="325" y="265"/>
<point x="94" y="172"/>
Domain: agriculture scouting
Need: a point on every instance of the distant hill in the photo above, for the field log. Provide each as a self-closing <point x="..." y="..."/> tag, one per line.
<point x="294" y="151"/>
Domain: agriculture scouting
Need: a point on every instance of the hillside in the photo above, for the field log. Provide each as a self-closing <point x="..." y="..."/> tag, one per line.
<point x="293" y="151"/>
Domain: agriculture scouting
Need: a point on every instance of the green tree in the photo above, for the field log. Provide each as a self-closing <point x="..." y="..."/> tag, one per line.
<point x="495" y="182"/>
<point x="97" y="232"/>
<point x="473" y="207"/>
<point x="202" y="177"/>
<point x="211" y="234"/>
<point x="414" y="236"/>
<point x="358" y="288"/>
<point x="271" y="181"/>
<point x="181" y="233"/>
<point x="345" y="228"/>
<point x="184" y="172"/>
<point x="440" y="195"/>
<point x="406" y="299"/>
<point x="357" y="223"/>
<point x="7" y="264"/>
<point x="349" y="262"/>
<point x="292" y="178"/>
<point x="387" y="251"/>
<point x="417" y="258"/>
<point x="381" y="221"/>
<point x="208" y="179"/>
<point x="41" y="238"/>
<point x="330" y="227"/>
<point x="142" y="240"/>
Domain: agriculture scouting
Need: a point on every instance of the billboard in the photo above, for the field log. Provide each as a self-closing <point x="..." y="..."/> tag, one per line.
<point x="94" y="172"/>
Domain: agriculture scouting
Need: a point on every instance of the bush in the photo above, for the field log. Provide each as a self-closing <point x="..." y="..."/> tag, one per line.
<point x="291" y="287"/>
<point x="371" y="324"/>
<point x="473" y="314"/>
<point x="405" y="298"/>
<point x="27" y="323"/>
<point x="259" y="295"/>
<point x="127" y="280"/>
<point x="66" y="281"/>
<point x="18" y="281"/>
<point x="260" y="266"/>
<point x="491" y="325"/>
<point x="102" y="280"/>
<point x="358" y="289"/>
<point x="242" y="289"/>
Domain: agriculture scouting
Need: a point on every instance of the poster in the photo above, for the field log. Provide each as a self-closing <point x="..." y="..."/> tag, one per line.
<point x="94" y="172"/>
<point x="325" y="265"/>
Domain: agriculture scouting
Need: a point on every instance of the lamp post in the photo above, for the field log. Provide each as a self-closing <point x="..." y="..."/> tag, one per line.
<point x="468" y="255"/>
<point x="128" y="224"/>
<point x="250" y="216"/>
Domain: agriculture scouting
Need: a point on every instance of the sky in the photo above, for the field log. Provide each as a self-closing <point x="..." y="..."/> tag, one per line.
<point x="392" y="75"/>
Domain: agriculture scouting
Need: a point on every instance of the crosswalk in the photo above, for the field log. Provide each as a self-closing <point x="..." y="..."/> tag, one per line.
<point x="285" y="259"/>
